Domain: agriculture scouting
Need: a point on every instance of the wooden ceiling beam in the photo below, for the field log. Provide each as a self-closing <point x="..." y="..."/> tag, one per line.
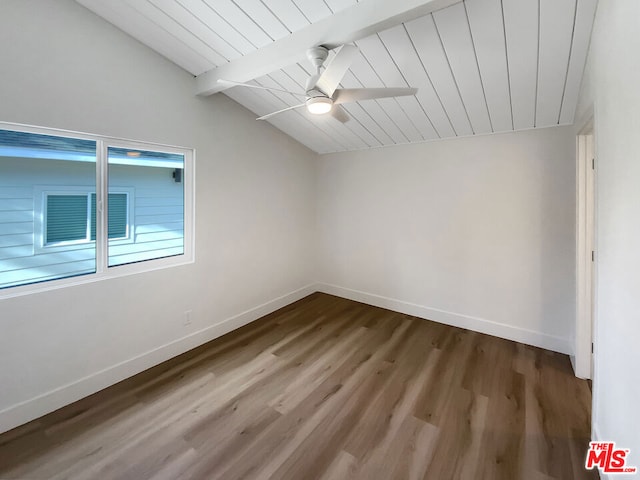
<point x="358" y="21"/>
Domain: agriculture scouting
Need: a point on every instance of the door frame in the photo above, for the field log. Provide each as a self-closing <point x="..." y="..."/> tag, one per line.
<point x="585" y="251"/>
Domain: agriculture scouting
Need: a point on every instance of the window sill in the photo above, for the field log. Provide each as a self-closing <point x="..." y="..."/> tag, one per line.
<point x="111" y="273"/>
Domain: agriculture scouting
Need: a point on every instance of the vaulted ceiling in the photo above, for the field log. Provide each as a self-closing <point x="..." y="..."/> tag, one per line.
<point x="481" y="66"/>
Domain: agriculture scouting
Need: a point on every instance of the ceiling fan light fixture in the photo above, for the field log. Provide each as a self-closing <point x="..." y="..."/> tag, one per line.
<point x="319" y="105"/>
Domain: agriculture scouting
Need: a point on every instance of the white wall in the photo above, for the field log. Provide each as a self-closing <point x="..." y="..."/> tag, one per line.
<point x="476" y="232"/>
<point x="612" y="89"/>
<point x="61" y="66"/>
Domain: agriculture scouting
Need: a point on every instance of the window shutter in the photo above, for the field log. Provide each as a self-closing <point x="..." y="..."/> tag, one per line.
<point x="117" y="215"/>
<point x="93" y="216"/>
<point x="66" y="218"/>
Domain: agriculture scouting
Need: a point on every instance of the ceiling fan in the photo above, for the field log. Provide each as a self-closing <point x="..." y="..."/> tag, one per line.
<point x="322" y="94"/>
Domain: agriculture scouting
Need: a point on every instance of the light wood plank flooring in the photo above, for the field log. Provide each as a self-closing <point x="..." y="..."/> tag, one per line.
<point x="325" y="388"/>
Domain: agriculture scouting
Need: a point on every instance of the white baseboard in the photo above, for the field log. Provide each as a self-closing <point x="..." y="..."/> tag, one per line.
<point x="529" y="337"/>
<point x="33" y="408"/>
<point x="573" y="364"/>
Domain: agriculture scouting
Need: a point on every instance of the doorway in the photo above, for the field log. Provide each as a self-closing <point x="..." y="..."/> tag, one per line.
<point x="586" y="255"/>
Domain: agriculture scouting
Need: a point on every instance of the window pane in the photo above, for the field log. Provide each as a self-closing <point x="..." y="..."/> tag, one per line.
<point x="155" y="205"/>
<point x="66" y="218"/>
<point x="40" y="174"/>
<point x="118" y="213"/>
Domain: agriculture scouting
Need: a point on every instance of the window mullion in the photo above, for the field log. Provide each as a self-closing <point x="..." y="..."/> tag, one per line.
<point x="102" y="188"/>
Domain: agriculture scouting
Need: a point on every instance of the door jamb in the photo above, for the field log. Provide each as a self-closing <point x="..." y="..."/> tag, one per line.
<point x="585" y="251"/>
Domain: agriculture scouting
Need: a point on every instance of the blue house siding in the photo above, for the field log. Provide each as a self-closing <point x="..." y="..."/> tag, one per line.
<point x="156" y="217"/>
<point x="16" y="223"/>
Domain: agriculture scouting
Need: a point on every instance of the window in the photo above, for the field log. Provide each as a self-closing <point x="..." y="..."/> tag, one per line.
<point x="72" y="218"/>
<point x="67" y="219"/>
<point x="159" y="200"/>
<point x="89" y="207"/>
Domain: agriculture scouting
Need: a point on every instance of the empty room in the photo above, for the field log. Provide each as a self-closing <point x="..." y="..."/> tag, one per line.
<point x="319" y="239"/>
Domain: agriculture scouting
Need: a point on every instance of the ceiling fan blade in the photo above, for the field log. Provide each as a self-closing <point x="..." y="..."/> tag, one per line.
<point x="348" y="95"/>
<point x="332" y="75"/>
<point x="250" y="85"/>
<point x="269" y="115"/>
<point x="339" y="114"/>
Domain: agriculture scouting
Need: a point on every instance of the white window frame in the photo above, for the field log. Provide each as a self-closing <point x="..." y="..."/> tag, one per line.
<point x="103" y="271"/>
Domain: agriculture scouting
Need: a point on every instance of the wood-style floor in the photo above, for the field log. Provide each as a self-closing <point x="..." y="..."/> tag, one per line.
<point x="325" y="388"/>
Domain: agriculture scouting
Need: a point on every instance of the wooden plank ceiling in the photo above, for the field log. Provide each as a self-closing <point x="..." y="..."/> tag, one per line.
<point x="481" y="66"/>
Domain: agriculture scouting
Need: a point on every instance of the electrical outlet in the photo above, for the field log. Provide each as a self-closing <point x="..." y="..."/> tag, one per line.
<point x="187" y="318"/>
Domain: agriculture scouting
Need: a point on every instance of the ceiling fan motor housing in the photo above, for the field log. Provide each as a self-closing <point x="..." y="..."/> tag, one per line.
<point x="315" y="93"/>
